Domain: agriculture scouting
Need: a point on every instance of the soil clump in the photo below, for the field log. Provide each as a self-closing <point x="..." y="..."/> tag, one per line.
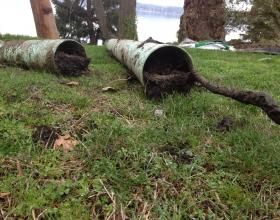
<point x="72" y="64"/>
<point x="46" y="135"/>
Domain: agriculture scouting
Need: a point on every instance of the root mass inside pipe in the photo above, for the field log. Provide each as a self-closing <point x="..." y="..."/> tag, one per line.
<point x="167" y="70"/>
<point x="158" y="84"/>
<point x="71" y="64"/>
<point x="71" y="59"/>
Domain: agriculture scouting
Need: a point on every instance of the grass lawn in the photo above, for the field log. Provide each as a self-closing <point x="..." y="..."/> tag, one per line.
<point x="131" y="164"/>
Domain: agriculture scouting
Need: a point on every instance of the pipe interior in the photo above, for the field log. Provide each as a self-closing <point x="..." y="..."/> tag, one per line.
<point x="71" y="48"/>
<point x="168" y="58"/>
<point x="71" y="60"/>
<point x="167" y="69"/>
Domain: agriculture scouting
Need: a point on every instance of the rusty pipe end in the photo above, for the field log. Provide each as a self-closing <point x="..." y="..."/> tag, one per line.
<point x="71" y="47"/>
<point x="167" y="69"/>
<point x="168" y="57"/>
<point x="70" y="59"/>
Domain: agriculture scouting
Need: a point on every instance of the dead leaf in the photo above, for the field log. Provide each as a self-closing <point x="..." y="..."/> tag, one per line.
<point x="69" y="83"/>
<point x="72" y="83"/>
<point x="19" y="169"/>
<point x="4" y="195"/>
<point x="109" y="89"/>
<point x="66" y="142"/>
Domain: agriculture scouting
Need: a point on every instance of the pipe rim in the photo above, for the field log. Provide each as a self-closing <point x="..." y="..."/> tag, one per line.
<point x="187" y="57"/>
<point x="59" y="48"/>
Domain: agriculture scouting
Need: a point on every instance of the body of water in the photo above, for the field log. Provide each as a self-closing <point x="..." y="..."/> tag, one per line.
<point x="164" y="29"/>
<point x="160" y="28"/>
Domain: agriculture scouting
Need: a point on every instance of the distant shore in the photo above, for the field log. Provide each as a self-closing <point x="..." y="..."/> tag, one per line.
<point x="170" y="11"/>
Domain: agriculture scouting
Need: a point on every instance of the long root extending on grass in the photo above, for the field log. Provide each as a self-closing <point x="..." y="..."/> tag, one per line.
<point x="159" y="83"/>
<point x="259" y="99"/>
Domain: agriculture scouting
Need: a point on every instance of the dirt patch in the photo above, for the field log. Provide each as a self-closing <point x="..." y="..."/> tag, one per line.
<point x="11" y="97"/>
<point x="206" y="205"/>
<point x="226" y="124"/>
<point x="209" y="167"/>
<point x="71" y="64"/>
<point x="46" y="135"/>
<point x="179" y="151"/>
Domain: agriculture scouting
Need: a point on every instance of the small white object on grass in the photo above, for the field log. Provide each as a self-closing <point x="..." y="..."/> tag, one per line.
<point x="109" y="89"/>
<point x="159" y="113"/>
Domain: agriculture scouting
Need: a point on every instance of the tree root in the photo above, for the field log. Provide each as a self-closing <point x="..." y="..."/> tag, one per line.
<point x="259" y="99"/>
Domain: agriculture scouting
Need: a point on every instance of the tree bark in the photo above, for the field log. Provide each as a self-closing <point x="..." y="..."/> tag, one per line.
<point x="127" y="20"/>
<point x="264" y="23"/>
<point x="92" y="37"/>
<point x="102" y="19"/>
<point x="203" y="20"/>
<point x="44" y="19"/>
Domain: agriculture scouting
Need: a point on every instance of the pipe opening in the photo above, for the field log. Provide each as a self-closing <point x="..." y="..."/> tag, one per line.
<point x="168" y="69"/>
<point x="71" y="60"/>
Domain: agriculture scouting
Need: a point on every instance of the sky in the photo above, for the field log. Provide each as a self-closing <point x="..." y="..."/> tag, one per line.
<point x="16" y="18"/>
<point x="179" y="3"/>
<point x="16" y="15"/>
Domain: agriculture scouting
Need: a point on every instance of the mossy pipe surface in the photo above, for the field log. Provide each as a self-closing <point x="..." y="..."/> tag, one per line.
<point x="1" y="43"/>
<point x="38" y="54"/>
<point x="137" y="56"/>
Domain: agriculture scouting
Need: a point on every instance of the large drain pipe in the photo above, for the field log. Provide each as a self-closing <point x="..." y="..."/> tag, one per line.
<point x="139" y="57"/>
<point x="163" y="68"/>
<point x="1" y="43"/>
<point x="66" y="57"/>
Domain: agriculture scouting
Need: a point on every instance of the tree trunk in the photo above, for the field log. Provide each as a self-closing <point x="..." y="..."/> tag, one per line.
<point x="264" y="23"/>
<point x="44" y="19"/>
<point x="102" y="19"/>
<point x="127" y="20"/>
<point x="91" y="31"/>
<point x="203" y="20"/>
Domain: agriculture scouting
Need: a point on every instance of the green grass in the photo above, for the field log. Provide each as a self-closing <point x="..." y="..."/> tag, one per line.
<point x="7" y="37"/>
<point x="131" y="163"/>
